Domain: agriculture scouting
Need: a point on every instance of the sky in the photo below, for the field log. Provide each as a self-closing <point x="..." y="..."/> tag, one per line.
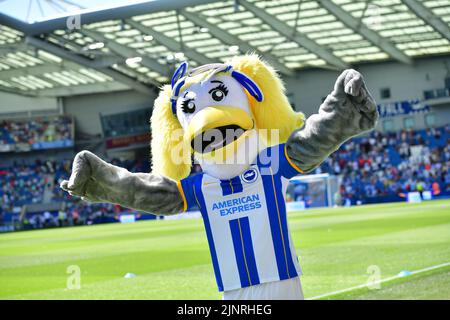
<point x="39" y="10"/>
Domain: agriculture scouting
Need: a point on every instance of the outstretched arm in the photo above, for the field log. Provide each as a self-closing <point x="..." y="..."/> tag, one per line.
<point x="347" y="111"/>
<point x="95" y="180"/>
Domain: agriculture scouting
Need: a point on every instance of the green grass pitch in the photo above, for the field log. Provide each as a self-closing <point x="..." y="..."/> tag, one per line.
<point x="171" y="258"/>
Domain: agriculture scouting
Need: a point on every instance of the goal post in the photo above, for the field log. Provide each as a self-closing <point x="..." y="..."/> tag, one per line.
<point x="311" y="191"/>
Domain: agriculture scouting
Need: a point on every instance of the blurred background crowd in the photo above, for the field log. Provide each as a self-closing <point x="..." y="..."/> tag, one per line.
<point x="370" y="168"/>
<point x="392" y="164"/>
<point x="35" y="130"/>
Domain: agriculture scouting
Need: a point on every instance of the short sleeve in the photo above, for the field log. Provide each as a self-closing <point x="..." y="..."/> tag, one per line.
<point x="186" y="188"/>
<point x="288" y="168"/>
<point x="277" y="159"/>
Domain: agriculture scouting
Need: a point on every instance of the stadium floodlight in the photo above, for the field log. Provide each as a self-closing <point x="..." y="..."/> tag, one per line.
<point x="233" y="49"/>
<point x="126" y="52"/>
<point x="347" y="19"/>
<point x="34" y="71"/>
<point x="293" y="34"/>
<point x="69" y="56"/>
<point x="96" y="45"/>
<point x="133" y="61"/>
<point x="94" y="15"/>
<point x="429" y="17"/>
<point x="108" y="86"/>
<point x="179" y="55"/>
<point x="170" y="43"/>
<point x="148" y="38"/>
<point x="231" y="39"/>
<point x="170" y="57"/>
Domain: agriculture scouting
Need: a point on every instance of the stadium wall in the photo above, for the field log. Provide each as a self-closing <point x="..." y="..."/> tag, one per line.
<point x="86" y="109"/>
<point x="12" y="105"/>
<point x="306" y="92"/>
<point x="406" y="82"/>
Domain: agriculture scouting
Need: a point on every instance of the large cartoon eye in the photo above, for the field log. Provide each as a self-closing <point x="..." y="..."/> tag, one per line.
<point x="188" y="106"/>
<point x="218" y="93"/>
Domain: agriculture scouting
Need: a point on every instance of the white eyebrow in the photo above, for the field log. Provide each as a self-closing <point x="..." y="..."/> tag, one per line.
<point x="189" y="94"/>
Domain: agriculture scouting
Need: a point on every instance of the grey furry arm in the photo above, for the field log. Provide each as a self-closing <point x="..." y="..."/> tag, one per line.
<point x="95" y="180"/>
<point x="347" y="111"/>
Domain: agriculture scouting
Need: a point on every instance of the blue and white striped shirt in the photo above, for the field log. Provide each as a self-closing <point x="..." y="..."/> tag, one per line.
<point x="245" y="221"/>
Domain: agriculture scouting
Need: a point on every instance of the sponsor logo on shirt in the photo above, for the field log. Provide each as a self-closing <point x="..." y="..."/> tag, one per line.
<point x="237" y="205"/>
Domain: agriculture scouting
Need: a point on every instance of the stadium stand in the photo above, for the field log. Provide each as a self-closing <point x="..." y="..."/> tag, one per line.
<point x="22" y="185"/>
<point x="103" y="75"/>
<point x="369" y="223"/>
<point x="383" y="167"/>
<point x="36" y="134"/>
<point x="377" y="168"/>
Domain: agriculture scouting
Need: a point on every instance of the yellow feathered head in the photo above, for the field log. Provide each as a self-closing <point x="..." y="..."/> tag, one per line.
<point x="172" y="157"/>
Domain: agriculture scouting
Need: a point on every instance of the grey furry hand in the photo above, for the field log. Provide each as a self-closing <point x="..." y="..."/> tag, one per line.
<point x="95" y="180"/>
<point x="350" y="86"/>
<point x="348" y="110"/>
<point x="350" y="105"/>
<point x="350" y="82"/>
<point x="82" y="179"/>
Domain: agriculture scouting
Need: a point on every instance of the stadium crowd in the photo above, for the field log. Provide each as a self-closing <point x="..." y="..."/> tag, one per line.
<point x="35" y="130"/>
<point x="26" y="184"/>
<point x="392" y="164"/>
<point x="371" y="167"/>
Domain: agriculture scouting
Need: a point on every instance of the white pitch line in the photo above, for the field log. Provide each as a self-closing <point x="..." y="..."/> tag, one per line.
<point x="365" y="285"/>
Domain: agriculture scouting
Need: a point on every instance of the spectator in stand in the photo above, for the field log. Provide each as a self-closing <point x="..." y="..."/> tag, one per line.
<point x="381" y="164"/>
<point x="370" y="167"/>
<point x="62" y="218"/>
<point x="32" y="131"/>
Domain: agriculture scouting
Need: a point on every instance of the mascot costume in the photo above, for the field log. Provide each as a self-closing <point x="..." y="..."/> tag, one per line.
<point x="236" y="121"/>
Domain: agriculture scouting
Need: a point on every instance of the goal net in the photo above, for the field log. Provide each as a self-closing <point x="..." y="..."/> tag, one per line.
<point x="311" y="191"/>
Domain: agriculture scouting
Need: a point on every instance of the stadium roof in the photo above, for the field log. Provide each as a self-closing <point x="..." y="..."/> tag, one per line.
<point x="138" y="46"/>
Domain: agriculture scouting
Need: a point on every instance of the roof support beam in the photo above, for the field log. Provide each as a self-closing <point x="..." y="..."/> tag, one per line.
<point x="91" y="88"/>
<point x="295" y="36"/>
<point x="126" y="52"/>
<point x="429" y="17"/>
<point x="12" y="48"/>
<point x="90" y="16"/>
<point x="30" y="71"/>
<point x="230" y="39"/>
<point x="40" y="69"/>
<point x="102" y="60"/>
<point x="170" y="43"/>
<point x="67" y="55"/>
<point x="373" y="37"/>
<point x="28" y="93"/>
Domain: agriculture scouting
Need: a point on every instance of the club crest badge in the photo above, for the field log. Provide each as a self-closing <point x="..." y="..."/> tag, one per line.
<point x="250" y="175"/>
